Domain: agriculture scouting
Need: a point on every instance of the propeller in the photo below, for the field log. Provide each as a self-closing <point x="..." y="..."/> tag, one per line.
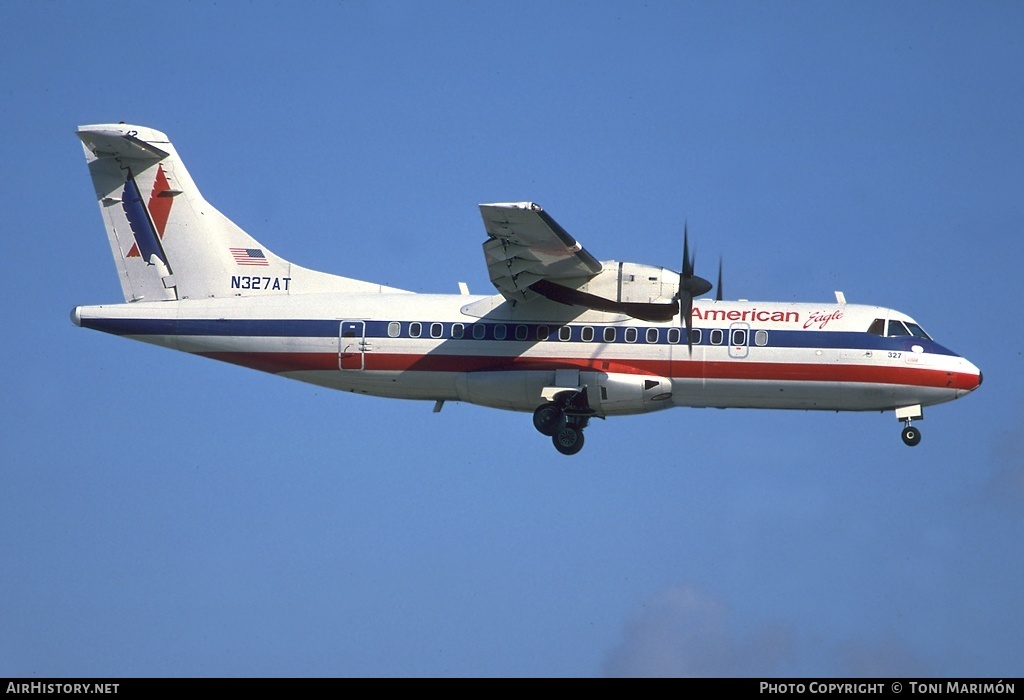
<point x="718" y="289"/>
<point x="691" y="286"/>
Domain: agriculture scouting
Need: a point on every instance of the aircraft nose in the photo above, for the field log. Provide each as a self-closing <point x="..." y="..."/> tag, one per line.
<point x="979" y="376"/>
<point x="973" y="378"/>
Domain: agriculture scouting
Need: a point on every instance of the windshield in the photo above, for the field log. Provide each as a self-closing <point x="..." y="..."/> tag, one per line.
<point x="917" y="331"/>
<point x="899" y="328"/>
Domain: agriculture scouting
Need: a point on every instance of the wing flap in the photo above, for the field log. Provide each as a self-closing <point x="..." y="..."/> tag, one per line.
<point x="526" y="245"/>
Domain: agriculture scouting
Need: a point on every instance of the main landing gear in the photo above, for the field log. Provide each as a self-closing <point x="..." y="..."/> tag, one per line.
<point x="911" y="435"/>
<point x="564" y="419"/>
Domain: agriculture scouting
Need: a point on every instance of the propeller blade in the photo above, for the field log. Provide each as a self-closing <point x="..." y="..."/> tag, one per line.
<point x="718" y="294"/>
<point x="688" y="315"/>
<point x="687" y="260"/>
<point x="690" y="286"/>
<point x="682" y="274"/>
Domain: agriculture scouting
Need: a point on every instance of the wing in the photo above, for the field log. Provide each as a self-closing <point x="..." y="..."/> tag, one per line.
<point x="525" y="246"/>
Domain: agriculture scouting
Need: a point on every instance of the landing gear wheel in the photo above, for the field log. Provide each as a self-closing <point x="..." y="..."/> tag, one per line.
<point x="548" y="419"/>
<point x="568" y="440"/>
<point x="911" y="436"/>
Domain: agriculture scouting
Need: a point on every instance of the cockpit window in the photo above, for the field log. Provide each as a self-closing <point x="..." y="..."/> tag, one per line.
<point x="897" y="328"/>
<point x="917" y="331"/>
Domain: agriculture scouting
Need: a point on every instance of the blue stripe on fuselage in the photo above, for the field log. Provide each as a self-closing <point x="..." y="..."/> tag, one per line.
<point x="329" y="328"/>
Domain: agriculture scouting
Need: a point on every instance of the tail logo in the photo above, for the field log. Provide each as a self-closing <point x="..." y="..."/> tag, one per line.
<point x="148" y="222"/>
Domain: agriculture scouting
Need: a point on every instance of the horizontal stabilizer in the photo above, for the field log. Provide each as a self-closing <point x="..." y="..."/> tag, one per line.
<point x="122" y="143"/>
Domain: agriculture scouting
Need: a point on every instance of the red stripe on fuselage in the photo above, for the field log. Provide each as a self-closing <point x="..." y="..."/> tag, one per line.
<point x="279" y="362"/>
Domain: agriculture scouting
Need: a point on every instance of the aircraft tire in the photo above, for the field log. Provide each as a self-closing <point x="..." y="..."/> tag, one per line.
<point x="568" y="440"/>
<point x="548" y="419"/>
<point x="911" y="436"/>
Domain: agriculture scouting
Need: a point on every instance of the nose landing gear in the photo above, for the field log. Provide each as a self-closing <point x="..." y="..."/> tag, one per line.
<point x="911" y="436"/>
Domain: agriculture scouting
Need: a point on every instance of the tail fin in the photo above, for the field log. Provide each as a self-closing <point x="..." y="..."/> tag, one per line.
<point x="170" y="243"/>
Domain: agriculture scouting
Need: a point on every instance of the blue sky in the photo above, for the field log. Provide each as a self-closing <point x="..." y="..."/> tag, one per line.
<point x="165" y="515"/>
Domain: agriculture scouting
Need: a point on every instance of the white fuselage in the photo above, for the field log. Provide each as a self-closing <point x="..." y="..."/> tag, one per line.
<point x="486" y="351"/>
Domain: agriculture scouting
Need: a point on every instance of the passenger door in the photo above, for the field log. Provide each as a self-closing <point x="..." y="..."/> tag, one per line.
<point x="352" y="345"/>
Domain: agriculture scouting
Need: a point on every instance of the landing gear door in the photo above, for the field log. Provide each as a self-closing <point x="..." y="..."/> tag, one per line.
<point x="352" y="345"/>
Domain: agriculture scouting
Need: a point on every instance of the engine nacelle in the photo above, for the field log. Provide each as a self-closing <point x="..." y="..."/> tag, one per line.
<point x="633" y="283"/>
<point x="641" y="291"/>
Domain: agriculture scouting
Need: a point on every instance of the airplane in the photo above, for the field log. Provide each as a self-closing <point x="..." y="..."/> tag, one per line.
<point x="567" y="337"/>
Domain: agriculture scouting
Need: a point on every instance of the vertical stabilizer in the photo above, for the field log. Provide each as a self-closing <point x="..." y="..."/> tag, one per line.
<point x="168" y="242"/>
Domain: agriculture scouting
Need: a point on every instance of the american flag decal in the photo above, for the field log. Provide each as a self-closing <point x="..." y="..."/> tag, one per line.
<point x="249" y="256"/>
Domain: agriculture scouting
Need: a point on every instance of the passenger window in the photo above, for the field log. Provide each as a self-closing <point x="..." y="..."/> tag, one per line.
<point x="436" y="329"/>
<point x="415" y="329"/>
<point x="458" y="330"/>
<point x="631" y="335"/>
<point x="543" y="332"/>
<point x="696" y="335"/>
<point x="877" y="327"/>
<point x="565" y="333"/>
<point x="652" y="335"/>
<point x="717" y="336"/>
<point x="760" y="338"/>
<point x="674" y="334"/>
<point x="500" y="331"/>
<point x="609" y="334"/>
<point x="739" y="337"/>
<point x="479" y="331"/>
<point x="522" y="332"/>
<point x="588" y="334"/>
<point x="394" y="329"/>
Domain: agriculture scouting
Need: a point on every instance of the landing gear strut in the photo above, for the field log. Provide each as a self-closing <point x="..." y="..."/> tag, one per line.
<point x="564" y="419"/>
